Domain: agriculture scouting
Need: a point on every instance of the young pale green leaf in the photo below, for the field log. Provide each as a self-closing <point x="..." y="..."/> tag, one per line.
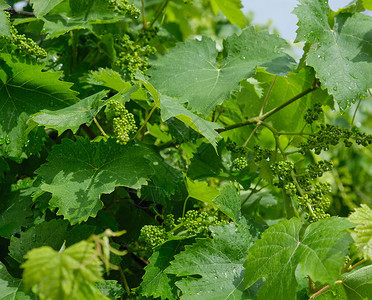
<point x="358" y="284"/>
<point x="319" y="253"/>
<point x="231" y="9"/>
<point x="341" y="54"/>
<point x="79" y="172"/>
<point x="201" y="191"/>
<point x="25" y="90"/>
<point x="11" y="288"/>
<point x="42" y="7"/>
<point x="190" y="71"/>
<point x="53" y="234"/>
<point x="4" y="19"/>
<point x="69" y="274"/>
<point x="110" y="79"/>
<point x="71" y="117"/>
<point x="362" y="233"/>
<point x="15" y="211"/>
<point x="171" y="107"/>
<point x="156" y="282"/>
<point x="219" y="262"/>
<point x="228" y="201"/>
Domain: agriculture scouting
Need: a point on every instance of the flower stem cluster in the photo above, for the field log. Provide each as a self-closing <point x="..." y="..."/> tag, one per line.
<point x="330" y="135"/>
<point x="123" y="121"/>
<point x="312" y="114"/>
<point x="240" y="162"/>
<point x="193" y="223"/>
<point x="133" y="55"/>
<point x="24" y="45"/>
<point x="283" y="170"/>
<point x="122" y="7"/>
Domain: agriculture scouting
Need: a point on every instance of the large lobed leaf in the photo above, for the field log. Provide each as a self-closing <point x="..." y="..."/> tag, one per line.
<point x="191" y="72"/>
<point x="71" y="117"/>
<point x="319" y="253"/>
<point x="79" y="172"/>
<point x="53" y="234"/>
<point x="219" y="262"/>
<point x="25" y="90"/>
<point x="156" y="282"/>
<point x="341" y="54"/>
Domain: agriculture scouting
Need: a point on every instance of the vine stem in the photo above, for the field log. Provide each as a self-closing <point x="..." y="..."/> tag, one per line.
<point x="146" y="120"/>
<point x="251" y="135"/>
<point x="143" y="15"/>
<point x="257" y="119"/>
<point x="100" y="128"/>
<point x="324" y="289"/>
<point x="268" y="95"/>
<point x="159" y="12"/>
<point x="124" y="280"/>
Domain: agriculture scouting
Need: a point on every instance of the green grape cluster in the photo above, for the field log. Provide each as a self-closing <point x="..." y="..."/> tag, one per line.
<point x="133" y="56"/>
<point x="193" y="223"/>
<point x="153" y="235"/>
<point x="312" y="114"/>
<point x="123" y="121"/>
<point x="240" y="163"/>
<point x="262" y="154"/>
<point x="24" y="45"/>
<point x="234" y="148"/>
<point x="315" y="204"/>
<point x="317" y="169"/>
<point x="283" y="170"/>
<point x="330" y="135"/>
<point x="311" y="197"/>
<point x="122" y="7"/>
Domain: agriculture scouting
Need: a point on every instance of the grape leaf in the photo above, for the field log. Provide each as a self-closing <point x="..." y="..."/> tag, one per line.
<point x="201" y="191"/>
<point x="284" y="88"/>
<point x="11" y="288"/>
<point x="69" y="274"/>
<point x="15" y="211"/>
<point x="111" y="289"/>
<point x="219" y="261"/>
<point x="79" y="172"/>
<point x="53" y="234"/>
<point x="231" y="9"/>
<point x="71" y="117"/>
<point x="42" y="7"/>
<point x="4" y="19"/>
<point x="156" y="282"/>
<point x="358" y="284"/>
<point x="228" y="201"/>
<point x="362" y="234"/>
<point x="83" y="14"/>
<point x="341" y="55"/>
<point x="171" y="107"/>
<point x="191" y="72"/>
<point x="319" y="253"/>
<point x="109" y="78"/>
<point x="25" y="90"/>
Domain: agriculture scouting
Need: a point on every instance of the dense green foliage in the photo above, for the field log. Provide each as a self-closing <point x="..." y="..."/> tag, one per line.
<point x="172" y="150"/>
